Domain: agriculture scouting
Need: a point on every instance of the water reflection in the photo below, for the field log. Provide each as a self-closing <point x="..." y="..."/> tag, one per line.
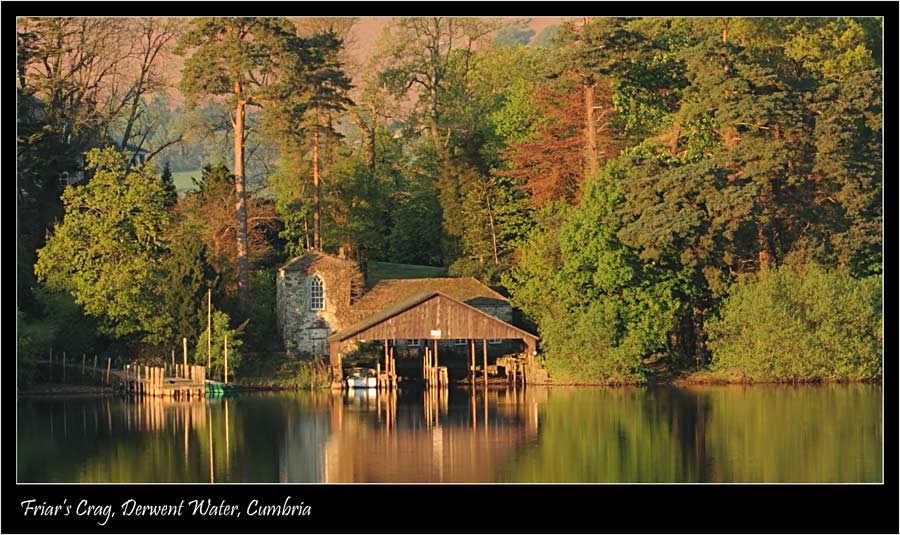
<point x="713" y="434"/>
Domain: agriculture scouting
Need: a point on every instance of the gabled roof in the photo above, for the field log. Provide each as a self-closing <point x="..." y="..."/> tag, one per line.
<point x="409" y="302"/>
<point x="387" y="292"/>
<point x="302" y="262"/>
<point x="400" y="306"/>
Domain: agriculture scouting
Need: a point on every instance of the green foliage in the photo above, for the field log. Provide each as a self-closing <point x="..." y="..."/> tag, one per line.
<point x="266" y="370"/>
<point x="261" y="333"/>
<point x="106" y="250"/>
<point x="355" y="206"/>
<point x="229" y="50"/>
<point x="216" y="357"/>
<point x="600" y="310"/>
<point x="58" y="323"/>
<point x="168" y="183"/>
<point x="800" y="324"/>
<point x="415" y="236"/>
<point x="188" y="276"/>
<point x="34" y="338"/>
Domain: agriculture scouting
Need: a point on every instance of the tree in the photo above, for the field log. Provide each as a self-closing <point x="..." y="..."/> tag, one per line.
<point x="314" y="85"/>
<point x="216" y="359"/>
<point x="601" y="311"/>
<point x="168" y="185"/>
<point x="235" y="58"/>
<point x="802" y="323"/>
<point x="188" y="275"/>
<point x="106" y="250"/>
<point x="434" y="55"/>
<point x="549" y="164"/>
<point x="208" y="212"/>
<point x="354" y="209"/>
<point x="595" y="51"/>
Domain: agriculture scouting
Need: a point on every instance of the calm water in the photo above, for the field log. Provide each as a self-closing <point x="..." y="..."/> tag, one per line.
<point x="708" y="434"/>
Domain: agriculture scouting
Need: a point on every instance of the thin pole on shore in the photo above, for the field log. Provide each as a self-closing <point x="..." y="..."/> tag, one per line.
<point x="50" y="366"/>
<point x="226" y="358"/>
<point x="64" y="368"/>
<point x="108" y="366"/>
<point x="208" y="330"/>
<point x="184" y="345"/>
<point x="173" y="361"/>
<point x="83" y="356"/>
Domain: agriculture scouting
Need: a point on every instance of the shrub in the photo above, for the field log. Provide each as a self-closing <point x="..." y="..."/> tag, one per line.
<point x="799" y="324"/>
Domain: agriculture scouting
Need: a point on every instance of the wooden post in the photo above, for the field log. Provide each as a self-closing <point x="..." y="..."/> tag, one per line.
<point x="184" y="345"/>
<point x="484" y="364"/>
<point x="208" y="329"/>
<point x="434" y="369"/>
<point x="226" y="358"/>
<point x="50" y="366"/>
<point x="83" y="356"/>
<point x="472" y="359"/>
<point x="95" y="362"/>
<point x="393" y="363"/>
<point x="173" y="360"/>
<point x="108" y="366"/>
<point x="64" y="367"/>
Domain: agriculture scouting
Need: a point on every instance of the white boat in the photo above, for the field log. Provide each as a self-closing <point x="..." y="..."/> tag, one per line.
<point x="361" y="378"/>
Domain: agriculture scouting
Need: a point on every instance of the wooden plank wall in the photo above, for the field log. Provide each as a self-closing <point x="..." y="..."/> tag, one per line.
<point x="453" y="319"/>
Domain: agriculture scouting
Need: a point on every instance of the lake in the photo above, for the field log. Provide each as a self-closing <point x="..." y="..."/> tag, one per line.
<point x="797" y="434"/>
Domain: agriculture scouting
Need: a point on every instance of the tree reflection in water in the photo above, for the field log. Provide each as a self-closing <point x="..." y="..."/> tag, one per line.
<point x="715" y="434"/>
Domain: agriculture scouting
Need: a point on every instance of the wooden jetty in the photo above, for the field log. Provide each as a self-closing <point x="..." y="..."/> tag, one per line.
<point x="186" y="381"/>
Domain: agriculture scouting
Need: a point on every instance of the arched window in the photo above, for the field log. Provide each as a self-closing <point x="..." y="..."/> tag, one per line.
<point x="316" y="294"/>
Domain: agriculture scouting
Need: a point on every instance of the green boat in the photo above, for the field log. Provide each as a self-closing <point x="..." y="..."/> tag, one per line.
<point x="216" y="388"/>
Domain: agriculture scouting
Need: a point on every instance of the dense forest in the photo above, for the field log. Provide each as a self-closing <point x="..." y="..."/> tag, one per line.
<point x="655" y="195"/>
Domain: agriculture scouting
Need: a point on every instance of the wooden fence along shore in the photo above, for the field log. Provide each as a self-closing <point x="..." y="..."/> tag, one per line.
<point x="178" y="381"/>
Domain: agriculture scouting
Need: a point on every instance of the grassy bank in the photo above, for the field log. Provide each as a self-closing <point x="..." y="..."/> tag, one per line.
<point x="275" y="371"/>
<point x="390" y="270"/>
<point x="707" y="377"/>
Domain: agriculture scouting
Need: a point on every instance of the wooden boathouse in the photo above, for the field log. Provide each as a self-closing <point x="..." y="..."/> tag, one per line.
<point x="427" y="315"/>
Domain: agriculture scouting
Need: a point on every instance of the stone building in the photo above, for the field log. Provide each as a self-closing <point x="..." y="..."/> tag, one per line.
<point x="319" y="294"/>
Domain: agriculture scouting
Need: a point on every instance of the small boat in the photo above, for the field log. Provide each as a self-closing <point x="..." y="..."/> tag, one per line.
<point x="218" y="388"/>
<point x="362" y="378"/>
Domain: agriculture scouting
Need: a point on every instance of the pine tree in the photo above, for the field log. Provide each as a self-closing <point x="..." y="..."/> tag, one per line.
<point x="168" y="183"/>
<point x="233" y="57"/>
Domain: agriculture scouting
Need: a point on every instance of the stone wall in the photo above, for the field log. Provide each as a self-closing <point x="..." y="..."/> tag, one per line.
<point x="303" y="330"/>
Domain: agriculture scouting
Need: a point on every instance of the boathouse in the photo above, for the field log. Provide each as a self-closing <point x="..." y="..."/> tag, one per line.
<point x="324" y="305"/>
<point x="430" y="316"/>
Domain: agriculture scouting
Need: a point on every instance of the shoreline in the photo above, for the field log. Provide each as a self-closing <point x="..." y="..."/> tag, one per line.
<point x="59" y="391"/>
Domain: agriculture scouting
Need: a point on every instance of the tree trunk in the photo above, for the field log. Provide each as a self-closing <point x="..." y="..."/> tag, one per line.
<point x="765" y="248"/>
<point x="368" y="134"/>
<point x="306" y="232"/>
<point x="240" y="207"/>
<point x="317" y="244"/>
<point x="699" y="339"/>
<point x="766" y="256"/>
<point x="590" y="132"/>
<point x="493" y="229"/>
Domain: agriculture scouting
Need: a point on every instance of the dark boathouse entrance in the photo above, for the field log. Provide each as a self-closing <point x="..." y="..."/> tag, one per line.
<point x="432" y="316"/>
